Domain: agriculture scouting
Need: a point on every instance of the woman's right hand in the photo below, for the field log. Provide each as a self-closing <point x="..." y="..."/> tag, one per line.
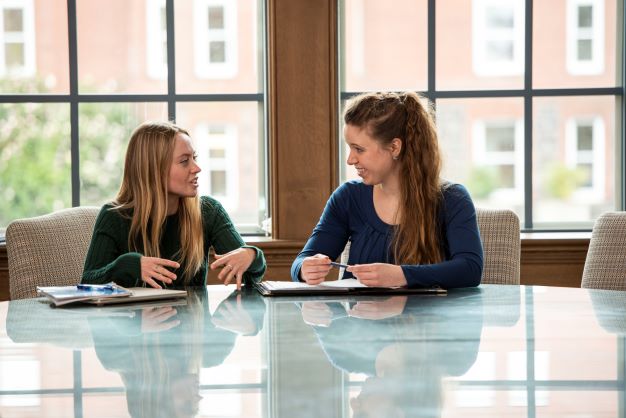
<point x="315" y="269"/>
<point x="153" y="268"/>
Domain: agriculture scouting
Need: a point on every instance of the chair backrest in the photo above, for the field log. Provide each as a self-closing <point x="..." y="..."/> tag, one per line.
<point x="48" y="250"/>
<point x="605" y="265"/>
<point x="500" y="235"/>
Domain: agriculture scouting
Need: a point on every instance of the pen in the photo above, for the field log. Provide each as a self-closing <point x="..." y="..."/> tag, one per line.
<point x="345" y="266"/>
<point x="108" y="286"/>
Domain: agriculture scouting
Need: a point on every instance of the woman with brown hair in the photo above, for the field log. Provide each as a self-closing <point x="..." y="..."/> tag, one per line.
<point x="406" y="226"/>
<point x="157" y="232"/>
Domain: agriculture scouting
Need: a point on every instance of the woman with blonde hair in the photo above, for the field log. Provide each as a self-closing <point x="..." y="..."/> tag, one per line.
<point x="157" y="232"/>
<point x="406" y="226"/>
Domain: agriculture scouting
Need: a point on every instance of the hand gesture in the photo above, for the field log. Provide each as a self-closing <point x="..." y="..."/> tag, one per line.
<point x="378" y="309"/>
<point x="153" y="268"/>
<point x="232" y="316"/>
<point x="317" y="314"/>
<point x="379" y="274"/>
<point x="233" y="264"/>
<point x="155" y="319"/>
<point x="315" y="269"/>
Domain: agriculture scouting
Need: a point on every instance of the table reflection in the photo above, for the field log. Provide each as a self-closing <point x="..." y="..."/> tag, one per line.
<point x="405" y="346"/>
<point x="490" y="351"/>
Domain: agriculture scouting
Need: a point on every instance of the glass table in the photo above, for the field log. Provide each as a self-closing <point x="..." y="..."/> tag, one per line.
<point x="492" y="351"/>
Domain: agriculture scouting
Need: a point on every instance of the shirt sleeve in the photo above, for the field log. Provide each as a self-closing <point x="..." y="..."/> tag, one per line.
<point x="464" y="262"/>
<point x="331" y="233"/>
<point x="224" y="238"/>
<point x="105" y="262"/>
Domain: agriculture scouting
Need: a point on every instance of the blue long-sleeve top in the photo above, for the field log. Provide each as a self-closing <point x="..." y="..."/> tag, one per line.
<point x="350" y="215"/>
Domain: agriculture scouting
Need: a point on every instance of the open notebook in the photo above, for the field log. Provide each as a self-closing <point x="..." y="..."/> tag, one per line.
<point x="105" y="294"/>
<point x="337" y="287"/>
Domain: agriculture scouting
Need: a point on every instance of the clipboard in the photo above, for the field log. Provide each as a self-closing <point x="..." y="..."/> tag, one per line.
<point x="284" y="288"/>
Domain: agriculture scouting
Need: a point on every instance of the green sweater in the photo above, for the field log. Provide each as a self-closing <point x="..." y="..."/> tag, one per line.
<point x="109" y="258"/>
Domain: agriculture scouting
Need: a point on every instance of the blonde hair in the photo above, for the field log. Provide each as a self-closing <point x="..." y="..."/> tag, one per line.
<point x="387" y="116"/>
<point x="143" y="197"/>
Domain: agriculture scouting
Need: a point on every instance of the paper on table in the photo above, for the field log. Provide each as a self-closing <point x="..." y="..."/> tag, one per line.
<point x="348" y="283"/>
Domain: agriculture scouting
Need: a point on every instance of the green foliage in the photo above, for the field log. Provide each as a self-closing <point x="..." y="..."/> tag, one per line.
<point x="561" y="181"/>
<point x="482" y="181"/>
<point x="35" y="153"/>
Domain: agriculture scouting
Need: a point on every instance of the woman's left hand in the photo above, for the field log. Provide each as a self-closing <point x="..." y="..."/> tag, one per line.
<point x="233" y="264"/>
<point x="379" y="274"/>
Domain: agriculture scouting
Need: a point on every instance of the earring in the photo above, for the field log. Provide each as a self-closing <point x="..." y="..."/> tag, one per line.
<point x="395" y="157"/>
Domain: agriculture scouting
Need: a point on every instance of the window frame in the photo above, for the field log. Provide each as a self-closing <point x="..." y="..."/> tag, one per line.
<point x="482" y="34"/>
<point x="26" y="37"/>
<point x="572" y="155"/>
<point x="496" y="158"/>
<point x="575" y="65"/>
<point x="172" y="97"/>
<point x="527" y="93"/>
<point x="203" y="35"/>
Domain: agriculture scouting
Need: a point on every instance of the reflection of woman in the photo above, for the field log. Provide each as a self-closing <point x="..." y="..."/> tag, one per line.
<point x="405" y="355"/>
<point x="159" y="353"/>
<point x="158" y="231"/>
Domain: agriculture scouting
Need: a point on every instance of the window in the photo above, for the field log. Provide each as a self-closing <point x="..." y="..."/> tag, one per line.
<point x="217" y="156"/>
<point x="156" y="33"/>
<point x="17" y="38"/>
<point x="62" y="143"/>
<point x="215" y="26"/>
<point x="498" y="150"/>
<point x="585" y="156"/>
<point x="498" y="37"/>
<point x="585" y="37"/>
<point x="520" y="130"/>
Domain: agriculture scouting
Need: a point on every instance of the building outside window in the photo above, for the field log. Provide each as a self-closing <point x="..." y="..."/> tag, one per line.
<point x="584" y="156"/>
<point x="498" y="37"/>
<point x="67" y="122"/>
<point x="498" y="156"/>
<point x="585" y="37"/>
<point x="215" y="26"/>
<point x="216" y="146"/>
<point x="502" y="114"/>
<point x="156" y="39"/>
<point x="17" y="38"/>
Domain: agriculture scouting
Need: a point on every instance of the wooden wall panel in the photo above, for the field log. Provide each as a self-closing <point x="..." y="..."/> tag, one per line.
<point x="303" y="108"/>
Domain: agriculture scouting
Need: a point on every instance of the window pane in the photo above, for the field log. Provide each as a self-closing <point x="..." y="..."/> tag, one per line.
<point x="373" y="46"/>
<point x="585" y="16"/>
<point x="574" y="160"/>
<point x="216" y="18"/>
<point x="105" y="130"/>
<point x="218" y="183"/>
<point x="584" y="49"/>
<point x="117" y="62"/>
<point x="482" y="141"/>
<point x="14" y="54"/>
<point x="585" y="53"/>
<point x="35" y="61"/>
<point x="34" y="160"/>
<point x="228" y="136"/>
<point x="480" y="44"/>
<point x="13" y="20"/>
<point x="218" y="46"/>
<point x="217" y="51"/>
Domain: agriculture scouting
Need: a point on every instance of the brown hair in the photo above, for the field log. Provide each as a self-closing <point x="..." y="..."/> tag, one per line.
<point x="387" y="116"/>
<point x="143" y="194"/>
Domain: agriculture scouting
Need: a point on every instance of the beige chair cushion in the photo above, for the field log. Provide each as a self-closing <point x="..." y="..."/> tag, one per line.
<point x="48" y="250"/>
<point x="605" y="266"/>
<point x="500" y="235"/>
